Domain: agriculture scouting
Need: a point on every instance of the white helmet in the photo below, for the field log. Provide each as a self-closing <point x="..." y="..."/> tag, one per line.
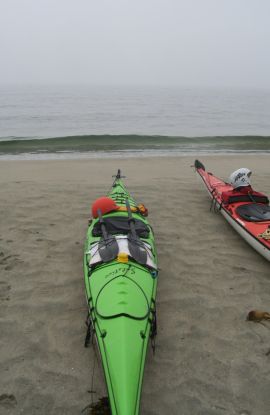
<point x="240" y="177"/>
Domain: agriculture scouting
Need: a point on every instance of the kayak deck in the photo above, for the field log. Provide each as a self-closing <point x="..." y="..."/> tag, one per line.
<point x="121" y="298"/>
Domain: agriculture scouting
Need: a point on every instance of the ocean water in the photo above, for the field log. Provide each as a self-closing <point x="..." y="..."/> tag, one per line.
<point x="93" y="121"/>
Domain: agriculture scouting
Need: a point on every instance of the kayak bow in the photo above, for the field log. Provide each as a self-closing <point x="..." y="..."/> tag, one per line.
<point x="121" y="293"/>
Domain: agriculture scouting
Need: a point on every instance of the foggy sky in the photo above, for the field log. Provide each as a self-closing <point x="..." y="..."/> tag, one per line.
<point x="136" y="42"/>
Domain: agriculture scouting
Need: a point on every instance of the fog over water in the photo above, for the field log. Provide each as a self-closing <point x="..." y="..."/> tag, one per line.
<point x="147" y="42"/>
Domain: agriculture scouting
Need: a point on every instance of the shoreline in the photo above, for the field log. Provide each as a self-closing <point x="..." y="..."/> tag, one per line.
<point x="125" y="154"/>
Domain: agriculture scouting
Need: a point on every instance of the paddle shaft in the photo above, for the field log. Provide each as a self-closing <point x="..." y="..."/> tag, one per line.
<point x="136" y="246"/>
<point x="131" y="221"/>
<point x="102" y="225"/>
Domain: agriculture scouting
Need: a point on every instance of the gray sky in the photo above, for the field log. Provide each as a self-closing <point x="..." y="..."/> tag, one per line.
<point x="147" y="42"/>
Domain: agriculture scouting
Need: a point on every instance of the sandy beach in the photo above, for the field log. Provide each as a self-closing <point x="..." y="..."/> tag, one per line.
<point x="209" y="360"/>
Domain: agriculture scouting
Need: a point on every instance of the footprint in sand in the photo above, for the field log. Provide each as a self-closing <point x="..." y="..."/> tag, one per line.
<point x="10" y="261"/>
<point x="4" y="291"/>
<point x="8" y="401"/>
<point x="239" y="268"/>
<point x="4" y="259"/>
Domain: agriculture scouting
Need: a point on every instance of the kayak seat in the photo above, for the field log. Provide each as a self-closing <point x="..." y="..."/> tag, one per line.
<point x="119" y="225"/>
<point x="254" y="212"/>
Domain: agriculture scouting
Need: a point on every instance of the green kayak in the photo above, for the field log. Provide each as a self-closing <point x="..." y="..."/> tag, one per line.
<point x="120" y="272"/>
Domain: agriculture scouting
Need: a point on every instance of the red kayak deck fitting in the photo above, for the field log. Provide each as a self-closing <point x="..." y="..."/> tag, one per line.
<point x="248" y="212"/>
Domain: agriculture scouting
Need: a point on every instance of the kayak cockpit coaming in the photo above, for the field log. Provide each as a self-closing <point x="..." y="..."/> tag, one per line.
<point x="254" y="212"/>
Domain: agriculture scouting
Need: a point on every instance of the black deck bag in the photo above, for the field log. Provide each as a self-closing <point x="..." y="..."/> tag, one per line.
<point x="246" y="198"/>
<point x="119" y="225"/>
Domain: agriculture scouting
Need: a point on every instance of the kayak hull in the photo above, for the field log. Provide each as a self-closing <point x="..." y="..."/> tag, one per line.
<point x="248" y="237"/>
<point x="249" y="231"/>
<point x="121" y="298"/>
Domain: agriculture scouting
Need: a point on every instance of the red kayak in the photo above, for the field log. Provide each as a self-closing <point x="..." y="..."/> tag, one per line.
<point x="248" y="213"/>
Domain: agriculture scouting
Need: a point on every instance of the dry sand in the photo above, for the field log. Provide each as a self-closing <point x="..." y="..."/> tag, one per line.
<point x="209" y="360"/>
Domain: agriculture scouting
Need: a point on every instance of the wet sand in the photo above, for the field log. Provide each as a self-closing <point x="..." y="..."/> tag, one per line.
<point x="209" y="360"/>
